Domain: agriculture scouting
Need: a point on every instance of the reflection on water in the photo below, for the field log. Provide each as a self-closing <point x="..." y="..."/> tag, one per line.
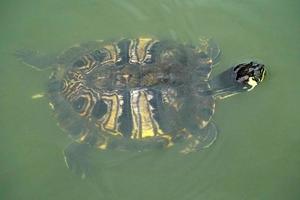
<point x="256" y="154"/>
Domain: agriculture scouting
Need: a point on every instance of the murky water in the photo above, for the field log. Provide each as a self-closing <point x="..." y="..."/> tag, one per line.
<point x="256" y="155"/>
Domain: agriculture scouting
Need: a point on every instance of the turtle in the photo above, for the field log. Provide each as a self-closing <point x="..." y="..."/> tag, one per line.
<point x="138" y="94"/>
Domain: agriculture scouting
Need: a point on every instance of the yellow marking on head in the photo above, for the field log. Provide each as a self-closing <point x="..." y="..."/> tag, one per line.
<point x="252" y="83"/>
<point x="263" y="75"/>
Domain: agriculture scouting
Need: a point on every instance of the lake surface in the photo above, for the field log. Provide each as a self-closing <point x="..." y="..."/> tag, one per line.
<point x="257" y="153"/>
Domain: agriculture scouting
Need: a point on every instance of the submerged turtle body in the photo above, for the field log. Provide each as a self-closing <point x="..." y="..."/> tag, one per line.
<point x="139" y="94"/>
<point x="131" y="89"/>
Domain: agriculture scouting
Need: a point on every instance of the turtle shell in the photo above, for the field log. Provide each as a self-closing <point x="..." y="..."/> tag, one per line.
<point x="133" y="90"/>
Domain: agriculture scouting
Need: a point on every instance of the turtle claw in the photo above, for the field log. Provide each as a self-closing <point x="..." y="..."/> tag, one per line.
<point x="209" y="137"/>
<point x="210" y="49"/>
<point x="76" y="158"/>
<point x="202" y="140"/>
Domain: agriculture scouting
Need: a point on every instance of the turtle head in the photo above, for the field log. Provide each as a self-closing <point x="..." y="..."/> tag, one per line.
<point x="240" y="78"/>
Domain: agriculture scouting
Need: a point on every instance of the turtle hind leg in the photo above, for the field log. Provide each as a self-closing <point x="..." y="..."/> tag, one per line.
<point x="77" y="159"/>
<point x="202" y="140"/>
<point x="35" y="59"/>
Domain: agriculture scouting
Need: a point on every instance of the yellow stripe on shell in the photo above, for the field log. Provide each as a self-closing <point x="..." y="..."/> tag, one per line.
<point x="114" y="52"/>
<point x="114" y="111"/>
<point x="144" y="124"/>
<point x="141" y="48"/>
<point x="134" y="114"/>
<point x="90" y="64"/>
<point x="72" y="89"/>
<point x="90" y="102"/>
<point x="146" y="118"/>
<point x="65" y="85"/>
<point x="132" y="52"/>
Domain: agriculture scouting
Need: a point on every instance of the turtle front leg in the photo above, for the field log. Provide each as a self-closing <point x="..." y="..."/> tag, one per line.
<point x="77" y="158"/>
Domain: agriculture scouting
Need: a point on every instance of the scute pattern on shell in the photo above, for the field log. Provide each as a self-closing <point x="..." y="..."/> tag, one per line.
<point x="137" y="89"/>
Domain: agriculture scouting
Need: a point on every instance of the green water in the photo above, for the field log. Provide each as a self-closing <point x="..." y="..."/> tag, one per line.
<point x="256" y="156"/>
